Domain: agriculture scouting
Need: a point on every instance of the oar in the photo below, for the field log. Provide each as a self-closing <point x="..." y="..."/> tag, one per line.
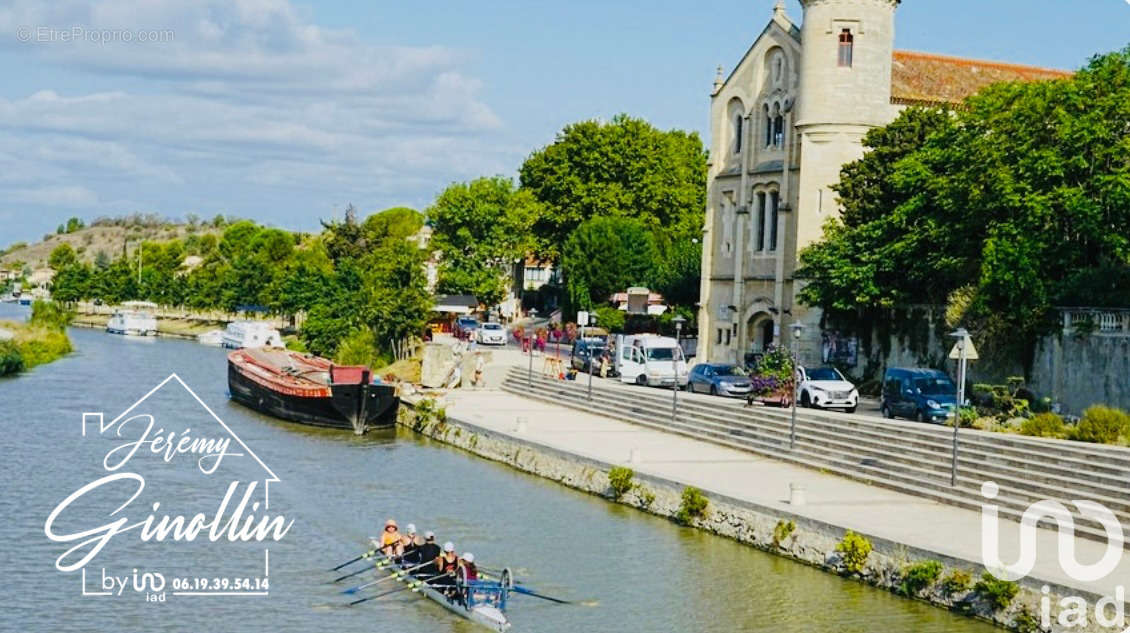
<point x="543" y="597"/>
<point x="396" y="574"/>
<point x="377" y="565"/>
<point x="354" y="560"/>
<point x="414" y="586"/>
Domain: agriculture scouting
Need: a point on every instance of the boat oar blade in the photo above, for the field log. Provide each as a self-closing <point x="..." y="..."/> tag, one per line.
<point x="528" y="592"/>
<point x="354" y="560"/>
<point x="414" y="586"/>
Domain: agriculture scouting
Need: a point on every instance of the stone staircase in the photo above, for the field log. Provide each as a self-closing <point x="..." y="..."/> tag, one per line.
<point x="908" y="457"/>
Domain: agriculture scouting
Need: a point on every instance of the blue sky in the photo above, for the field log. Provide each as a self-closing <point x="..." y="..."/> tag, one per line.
<point x="285" y="111"/>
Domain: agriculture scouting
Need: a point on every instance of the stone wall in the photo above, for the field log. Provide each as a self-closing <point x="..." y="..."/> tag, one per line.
<point x="808" y="541"/>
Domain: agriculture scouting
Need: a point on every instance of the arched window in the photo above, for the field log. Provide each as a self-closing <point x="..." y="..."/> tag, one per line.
<point x="779" y="130"/>
<point x="760" y="221"/>
<point x="774" y="200"/>
<point x="768" y="126"/>
<point x="846" y="44"/>
<point x="737" y="133"/>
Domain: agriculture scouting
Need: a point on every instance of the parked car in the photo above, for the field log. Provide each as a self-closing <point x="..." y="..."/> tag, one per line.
<point x="491" y="334"/>
<point x="926" y="395"/>
<point x="649" y="359"/>
<point x="826" y="388"/>
<point x="580" y="357"/>
<point x="719" y="379"/>
<point x="465" y="327"/>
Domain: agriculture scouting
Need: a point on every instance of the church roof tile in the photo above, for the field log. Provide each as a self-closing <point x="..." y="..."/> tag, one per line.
<point x="926" y="78"/>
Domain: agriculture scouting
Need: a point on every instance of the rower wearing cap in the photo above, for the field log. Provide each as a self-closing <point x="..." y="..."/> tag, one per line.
<point x="428" y="552"/>
<point x="409" y="545"/>
<point x="446" y="565"/>
<point x="390" y="539"/>
<point x="467" y="562"/>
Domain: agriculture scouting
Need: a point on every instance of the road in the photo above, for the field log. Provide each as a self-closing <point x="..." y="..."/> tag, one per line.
<point x="511" y="355"/>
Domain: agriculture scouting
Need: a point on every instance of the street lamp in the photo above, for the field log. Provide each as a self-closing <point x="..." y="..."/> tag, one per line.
<point x="962" y="335"/>
<point x="530" y="374"/>
<point x="797" y="328"/>
<point x="678" y="321"/>
<point x="592" y="319"/>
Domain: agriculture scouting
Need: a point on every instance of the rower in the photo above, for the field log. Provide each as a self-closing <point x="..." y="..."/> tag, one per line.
<point x="428" y="552"/>
<point x="446" y="565"/>
<point x="409" y="543"/>
<point x="390" y="540"/>
<point x="470" y="572"/>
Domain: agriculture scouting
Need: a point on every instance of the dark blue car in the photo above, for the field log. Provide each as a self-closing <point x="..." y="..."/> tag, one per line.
<point x="926" y="395"/>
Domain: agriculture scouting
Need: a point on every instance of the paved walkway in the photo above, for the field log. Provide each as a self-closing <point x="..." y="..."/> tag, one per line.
<point x="831" y="499"/>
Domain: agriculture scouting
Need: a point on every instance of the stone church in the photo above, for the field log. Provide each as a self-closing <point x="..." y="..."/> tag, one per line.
<point x="789" y="115"/>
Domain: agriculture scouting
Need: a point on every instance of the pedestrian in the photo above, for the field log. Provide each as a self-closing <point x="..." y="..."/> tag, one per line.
<point x="479" y="365"/>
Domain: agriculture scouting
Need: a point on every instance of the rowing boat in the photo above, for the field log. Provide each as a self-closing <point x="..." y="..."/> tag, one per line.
<point x="480" y="601"/>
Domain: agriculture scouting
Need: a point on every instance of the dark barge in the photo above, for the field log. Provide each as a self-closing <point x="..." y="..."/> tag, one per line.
<point x="309" y="389"/>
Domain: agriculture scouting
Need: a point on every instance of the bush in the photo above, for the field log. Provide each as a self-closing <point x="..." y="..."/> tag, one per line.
<point x="1101" y="425"/>
<point x="620" y="480"/>
<point x="43" y="346"/>
<point x="919" y="576"/>
<point x="11" y="361"/>
<point x="956" y="581"/>
<point x="50" y="315"/>
<point x="855" y="549"/>
<point x="782" y="531"/>
<point x="872" y="388"/>
<point x="1044" y="425"/>
<point x="359" y="348"/>
<point x="998" y="592"/>
<point x="693" y="506"/>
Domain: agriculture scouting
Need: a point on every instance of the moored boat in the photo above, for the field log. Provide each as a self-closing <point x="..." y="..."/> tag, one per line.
<point x="309" y="389"/>
<point x="250" y="334"/>
<point x="480" y="601"/>
<point x="212" y="337"/>
<point x="134" y="318"/>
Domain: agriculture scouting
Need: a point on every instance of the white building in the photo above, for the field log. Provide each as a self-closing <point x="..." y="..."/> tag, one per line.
<point x="790" y="114"/>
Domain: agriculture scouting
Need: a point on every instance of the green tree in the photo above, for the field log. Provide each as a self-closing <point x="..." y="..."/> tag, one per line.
<point x="481" y="228"/>
<point x="62" y="256"/>
<point x="74" y="224"/>
<point x="395" y="223"/>
<point x="606" y="255"/>
<point x="1005" y="204"/>
<point x="623" y="168"/>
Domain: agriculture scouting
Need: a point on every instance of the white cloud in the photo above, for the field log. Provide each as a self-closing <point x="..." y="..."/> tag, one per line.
<point x="243" y="96"/>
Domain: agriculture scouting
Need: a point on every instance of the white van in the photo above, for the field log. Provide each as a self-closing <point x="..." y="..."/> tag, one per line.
<point x="650" y="359"/>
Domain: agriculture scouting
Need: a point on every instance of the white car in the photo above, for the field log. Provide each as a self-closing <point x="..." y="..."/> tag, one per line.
<point x="826" y="388"/>
<point x="491" y="334"/>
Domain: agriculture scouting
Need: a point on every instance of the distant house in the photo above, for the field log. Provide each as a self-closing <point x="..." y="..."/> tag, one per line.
<point x="534" y="273"/>
<point x="456" y="304"/>
<point x="9" y="275"/>
<point x="639" y="301"/>
<point x="40" y="277"/>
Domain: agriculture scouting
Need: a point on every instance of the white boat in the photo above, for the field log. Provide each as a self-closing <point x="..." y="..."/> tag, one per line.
<point x="214" y="338"/>
<point x="250" y="334"/>
<point x="134" y="318"/>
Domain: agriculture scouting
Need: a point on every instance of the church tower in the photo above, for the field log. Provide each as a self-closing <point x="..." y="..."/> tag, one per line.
<point x="845" y="90"/>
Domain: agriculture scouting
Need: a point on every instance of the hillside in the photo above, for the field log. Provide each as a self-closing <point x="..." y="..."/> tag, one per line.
<point x="106" y="236"/>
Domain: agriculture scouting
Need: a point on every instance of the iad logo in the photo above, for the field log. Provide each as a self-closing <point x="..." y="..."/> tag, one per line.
<point x="199" y="479"/>
<point x="1065" y="523"/>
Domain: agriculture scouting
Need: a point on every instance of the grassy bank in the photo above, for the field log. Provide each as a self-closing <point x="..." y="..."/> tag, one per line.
<point x="184" y="328"/>
<point x="42" y="339"/>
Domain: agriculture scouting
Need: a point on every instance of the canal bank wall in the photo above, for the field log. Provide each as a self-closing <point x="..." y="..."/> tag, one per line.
<point x="889" y="565"/>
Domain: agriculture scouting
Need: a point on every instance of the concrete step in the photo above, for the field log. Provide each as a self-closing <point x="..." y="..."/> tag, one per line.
<point x="1009" y="506"/>
<point x="823" y="445"/>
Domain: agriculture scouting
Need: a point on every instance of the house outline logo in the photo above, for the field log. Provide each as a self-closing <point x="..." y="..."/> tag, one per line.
<point x="238" y="527"/>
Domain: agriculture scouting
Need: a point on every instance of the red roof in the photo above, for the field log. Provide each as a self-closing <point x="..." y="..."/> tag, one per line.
<point x="921" y="78"/>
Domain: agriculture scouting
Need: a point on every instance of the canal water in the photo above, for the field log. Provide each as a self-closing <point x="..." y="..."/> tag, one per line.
<point x="635" y="572"/>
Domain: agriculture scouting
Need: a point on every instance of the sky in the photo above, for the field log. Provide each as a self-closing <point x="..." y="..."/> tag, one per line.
<point x="285" y="112"/>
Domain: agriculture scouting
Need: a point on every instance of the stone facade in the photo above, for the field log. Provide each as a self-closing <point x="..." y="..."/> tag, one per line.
<point x="782" y="124"/>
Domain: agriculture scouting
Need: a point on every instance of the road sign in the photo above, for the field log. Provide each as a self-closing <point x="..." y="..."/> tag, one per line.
<point x="970" y="351"/>
<point x="582" y="317"/>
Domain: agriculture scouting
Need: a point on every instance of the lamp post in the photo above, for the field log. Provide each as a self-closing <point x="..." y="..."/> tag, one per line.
<point x="678" y="321"/>
<point x="530" y="373"/>
<point x="797" y="328"/>
<point x="962" y="335"/>
<point x="592" y="319"/>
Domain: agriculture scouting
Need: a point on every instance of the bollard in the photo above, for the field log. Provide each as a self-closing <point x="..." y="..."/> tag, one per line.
<point x="634" y="456"/>
<point x="796" y="494"/>
<point x="521" y="426"/>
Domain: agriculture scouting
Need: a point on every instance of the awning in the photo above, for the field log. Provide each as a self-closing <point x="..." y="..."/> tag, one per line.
<point x="456" y="304"/>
